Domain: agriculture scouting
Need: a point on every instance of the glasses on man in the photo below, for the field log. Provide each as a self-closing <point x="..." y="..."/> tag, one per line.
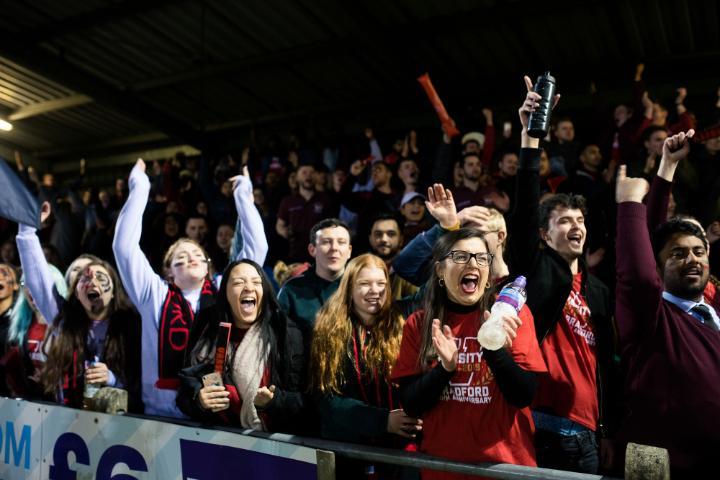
<point x="483" y="259"/>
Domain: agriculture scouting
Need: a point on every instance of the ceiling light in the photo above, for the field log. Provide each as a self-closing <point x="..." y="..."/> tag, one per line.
<point x="6" y="126"/>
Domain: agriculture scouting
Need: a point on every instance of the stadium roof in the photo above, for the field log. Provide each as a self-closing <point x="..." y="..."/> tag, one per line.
<point x="102" y="75"/>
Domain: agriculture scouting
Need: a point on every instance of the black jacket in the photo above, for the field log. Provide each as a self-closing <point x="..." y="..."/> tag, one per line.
<point x="286" y="411"/>
<point x="358" y="414"/>
<point x="549" y="279"/>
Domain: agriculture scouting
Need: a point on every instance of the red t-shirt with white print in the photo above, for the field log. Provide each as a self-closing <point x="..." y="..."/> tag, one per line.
<point x="570" y="388"/>
<point x="472" y="422"/>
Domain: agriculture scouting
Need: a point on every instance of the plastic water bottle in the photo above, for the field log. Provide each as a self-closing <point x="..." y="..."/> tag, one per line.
<point x="539" y="121"/>
<point x="511" y="299"/>
<point x="91" y="389"/>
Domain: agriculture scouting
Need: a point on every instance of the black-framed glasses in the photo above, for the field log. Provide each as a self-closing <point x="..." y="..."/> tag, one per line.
<point x="483" y="259"/>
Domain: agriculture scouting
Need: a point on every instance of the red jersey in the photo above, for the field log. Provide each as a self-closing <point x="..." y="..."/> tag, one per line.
<point x="570" y="389"/>
<point x="35" y="340"/>
<point x="472" y="422"/>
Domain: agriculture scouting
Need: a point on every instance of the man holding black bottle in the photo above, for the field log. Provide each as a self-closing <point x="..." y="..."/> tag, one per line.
<point x="570" y="306"/>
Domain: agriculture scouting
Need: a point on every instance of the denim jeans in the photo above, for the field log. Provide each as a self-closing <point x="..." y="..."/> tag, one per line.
<point x="576" y="453"/>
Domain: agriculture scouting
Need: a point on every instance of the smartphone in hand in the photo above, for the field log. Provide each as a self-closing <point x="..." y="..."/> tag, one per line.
<point x="213" y="379"/>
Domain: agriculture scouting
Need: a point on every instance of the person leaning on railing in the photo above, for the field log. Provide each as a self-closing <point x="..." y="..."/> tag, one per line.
<point x="473" y="402"/>
<point x="355" y="342"/>
<point x="264" y="368"/>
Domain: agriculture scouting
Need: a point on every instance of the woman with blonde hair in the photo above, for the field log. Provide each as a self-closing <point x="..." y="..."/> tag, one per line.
<point x="355" y="343"/>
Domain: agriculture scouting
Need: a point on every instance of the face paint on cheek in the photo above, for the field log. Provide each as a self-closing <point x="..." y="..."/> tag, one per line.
<point x="105" y="282"/>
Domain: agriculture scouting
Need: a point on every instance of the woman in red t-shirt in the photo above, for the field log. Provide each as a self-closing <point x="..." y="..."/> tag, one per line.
<point x="473" y="402"/>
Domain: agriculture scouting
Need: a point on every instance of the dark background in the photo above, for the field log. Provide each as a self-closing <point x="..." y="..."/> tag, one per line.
<point x="95" y="78"/>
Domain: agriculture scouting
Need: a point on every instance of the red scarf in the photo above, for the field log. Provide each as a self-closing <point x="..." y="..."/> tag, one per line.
<point x="174" y="334"/>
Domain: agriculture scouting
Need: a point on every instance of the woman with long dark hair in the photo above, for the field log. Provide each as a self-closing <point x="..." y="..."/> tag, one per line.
<point x="94" y="339"/>
<point x="473" y="402"/>
<point x="95" y="320"/>
<point x="169" y="309"/>
<point x="355" y="343"/>
<point x="263" y="373"/>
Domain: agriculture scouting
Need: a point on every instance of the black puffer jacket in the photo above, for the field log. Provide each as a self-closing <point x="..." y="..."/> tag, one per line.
<point x="286" y="412"/>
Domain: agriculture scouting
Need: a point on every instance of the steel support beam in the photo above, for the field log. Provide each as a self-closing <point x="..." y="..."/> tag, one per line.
<point x="41" y="108"/>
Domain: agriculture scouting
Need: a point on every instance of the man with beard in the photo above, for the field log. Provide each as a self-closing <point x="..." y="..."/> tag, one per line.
<point x="298" y="212"/>
<point x="386" y="240"/>
<point x="475" y="189"/>
<point x="668" y="334"/>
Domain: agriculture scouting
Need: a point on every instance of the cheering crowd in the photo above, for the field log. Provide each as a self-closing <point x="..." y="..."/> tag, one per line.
<point x="339" y="293"/>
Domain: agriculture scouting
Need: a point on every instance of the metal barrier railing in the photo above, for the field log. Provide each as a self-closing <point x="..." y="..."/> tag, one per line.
<point x="421" y="461"/>
<point x="56" y="422"/>
<point x="400" y="458"/>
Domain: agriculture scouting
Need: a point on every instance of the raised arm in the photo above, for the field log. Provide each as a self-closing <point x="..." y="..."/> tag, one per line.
<point x="523" y="228"/>
<point x="375" y="151"/>
<point x="142" y="284"/>
<point x="489" y="147"/>
<point x="207" y="187"/>
<point x="675" y="149"/>
<point x="249" y="223"/>
<point x="37" y="272"/>
<point x="638" y="289"/>
<point x="411" y="263"/>
<point x="685" y="121"/>
<point x="442" y="167"/>
<point x="348" y="198"/>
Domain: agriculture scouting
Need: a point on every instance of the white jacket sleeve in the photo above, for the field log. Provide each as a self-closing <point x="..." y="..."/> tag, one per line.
<point x="142" y="284"/>
<point x="38" y="279"/>
<point x="255" y="245"/>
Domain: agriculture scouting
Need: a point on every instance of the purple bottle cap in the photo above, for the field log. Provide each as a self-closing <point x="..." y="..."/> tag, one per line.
<point x="520" y="281"/>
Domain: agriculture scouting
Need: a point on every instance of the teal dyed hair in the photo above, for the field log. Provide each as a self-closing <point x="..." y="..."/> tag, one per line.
<point x="22" y="313"/>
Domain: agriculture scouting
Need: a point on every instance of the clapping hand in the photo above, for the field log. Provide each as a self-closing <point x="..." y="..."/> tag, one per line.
<point x="445" y="345"/>
<point x="264" y="396"/>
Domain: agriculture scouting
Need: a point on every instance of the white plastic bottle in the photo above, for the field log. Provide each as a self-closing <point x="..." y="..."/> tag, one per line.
<point x="511" y="299"/>
<point x="91" y="389"/>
